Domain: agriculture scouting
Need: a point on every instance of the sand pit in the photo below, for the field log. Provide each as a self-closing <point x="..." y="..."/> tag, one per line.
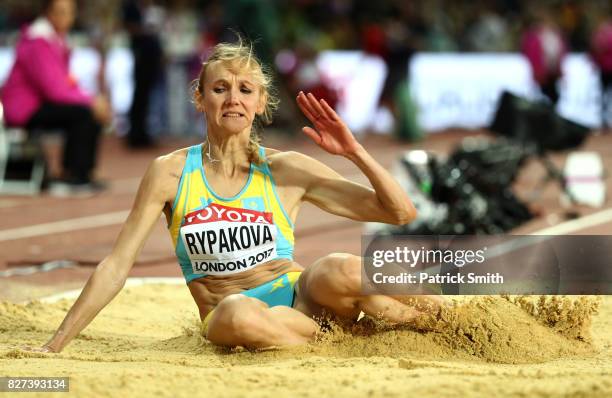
<point x="147" y="343"/>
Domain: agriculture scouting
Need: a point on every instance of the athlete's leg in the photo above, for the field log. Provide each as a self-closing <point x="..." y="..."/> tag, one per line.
<point x="249" y="322"/>
<point x="334" y="282"/>
<point x="423" y="302"/>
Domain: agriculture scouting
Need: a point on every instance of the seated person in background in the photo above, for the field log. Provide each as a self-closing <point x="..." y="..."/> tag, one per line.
<point x="41" y="93"/>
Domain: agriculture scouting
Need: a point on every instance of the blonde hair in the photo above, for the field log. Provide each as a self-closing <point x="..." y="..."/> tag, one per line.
<point x="241" y="54"/>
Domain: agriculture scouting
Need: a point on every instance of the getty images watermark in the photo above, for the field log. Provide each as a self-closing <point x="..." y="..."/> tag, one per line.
<point x="407" y="264"/>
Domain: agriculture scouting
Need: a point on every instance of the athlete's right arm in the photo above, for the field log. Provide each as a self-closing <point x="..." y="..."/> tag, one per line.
<point x="110" y="275"/>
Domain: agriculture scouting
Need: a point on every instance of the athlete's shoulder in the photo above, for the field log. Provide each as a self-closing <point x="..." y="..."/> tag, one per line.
<point x="287" y="158"/>
<point x="164" y="173"/>
<point x="169" y="164"/>
<point x="293" y="168"/>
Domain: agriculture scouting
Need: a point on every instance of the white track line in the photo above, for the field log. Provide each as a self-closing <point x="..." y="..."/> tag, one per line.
<point x="564" y="228"/>
<point x="9" y="203"/>
<point x="73" y="224"/>
<point x="73" y="294"/>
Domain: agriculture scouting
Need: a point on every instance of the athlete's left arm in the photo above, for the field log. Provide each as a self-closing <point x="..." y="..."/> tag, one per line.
<point x="327" y="189"/>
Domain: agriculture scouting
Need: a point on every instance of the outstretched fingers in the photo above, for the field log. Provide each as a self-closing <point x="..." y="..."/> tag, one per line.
<point x="312" y="133"/>
<point x="317" y="111"/>
<point x="305" y="107"/>
<point x="314" y="104"/>
<point x="329" y="111"/>
<point x="314" y="109"/>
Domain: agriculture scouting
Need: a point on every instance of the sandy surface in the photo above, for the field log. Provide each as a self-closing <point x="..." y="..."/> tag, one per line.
<point x="147" y="343"/>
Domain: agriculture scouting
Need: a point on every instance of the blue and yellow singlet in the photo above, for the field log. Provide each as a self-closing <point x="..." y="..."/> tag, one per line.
<point x="213" y="235"/>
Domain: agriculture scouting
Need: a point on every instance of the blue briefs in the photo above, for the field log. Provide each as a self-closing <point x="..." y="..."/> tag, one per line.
<point x="279" y="291"/>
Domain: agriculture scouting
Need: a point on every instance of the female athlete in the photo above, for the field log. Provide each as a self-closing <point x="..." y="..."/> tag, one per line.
<point x="231" y="205"/>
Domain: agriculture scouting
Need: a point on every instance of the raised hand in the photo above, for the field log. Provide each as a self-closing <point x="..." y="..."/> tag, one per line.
<point x="330" y="132"/>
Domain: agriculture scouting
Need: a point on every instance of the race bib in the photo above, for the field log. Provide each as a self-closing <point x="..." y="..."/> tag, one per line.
<point x="222" y="240"/>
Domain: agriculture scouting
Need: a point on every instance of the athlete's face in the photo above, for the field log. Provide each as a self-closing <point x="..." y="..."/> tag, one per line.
<point x="61" y="15"/>
<point x="232" y="97"/>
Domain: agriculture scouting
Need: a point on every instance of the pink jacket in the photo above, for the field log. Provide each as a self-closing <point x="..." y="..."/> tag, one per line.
<point x="545" y="49"/>
<point x="601" y="47"/>
<point x="40" y="74"/>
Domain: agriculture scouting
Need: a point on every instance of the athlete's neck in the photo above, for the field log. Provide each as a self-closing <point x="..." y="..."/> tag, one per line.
<point x="227" y="154"/>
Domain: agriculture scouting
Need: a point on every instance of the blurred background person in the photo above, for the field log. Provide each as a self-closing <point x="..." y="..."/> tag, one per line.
<point x="140" y="18"/>
<point x="395" y="37"/>
<point x="40" y="93"/>
<point x="306" y="75"/>
<point x="258" y="21"/>
<point x="488" y="31"/>
<point x="545" y="48"/>
<point x="601" y="54"/>
<point x="183" y="45"/>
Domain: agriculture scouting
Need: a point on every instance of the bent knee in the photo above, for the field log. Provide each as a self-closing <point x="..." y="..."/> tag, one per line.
<point x="335" y="283"/>
<point x="343" y="272"/>
<point x="234" y="318"/>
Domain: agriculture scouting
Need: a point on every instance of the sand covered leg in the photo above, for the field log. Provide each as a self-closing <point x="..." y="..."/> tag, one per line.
<point x="334" y="282"/>
<point x="388" y="308"/>
<point x="245" y="321"/>
<point x="424" y="302"/>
